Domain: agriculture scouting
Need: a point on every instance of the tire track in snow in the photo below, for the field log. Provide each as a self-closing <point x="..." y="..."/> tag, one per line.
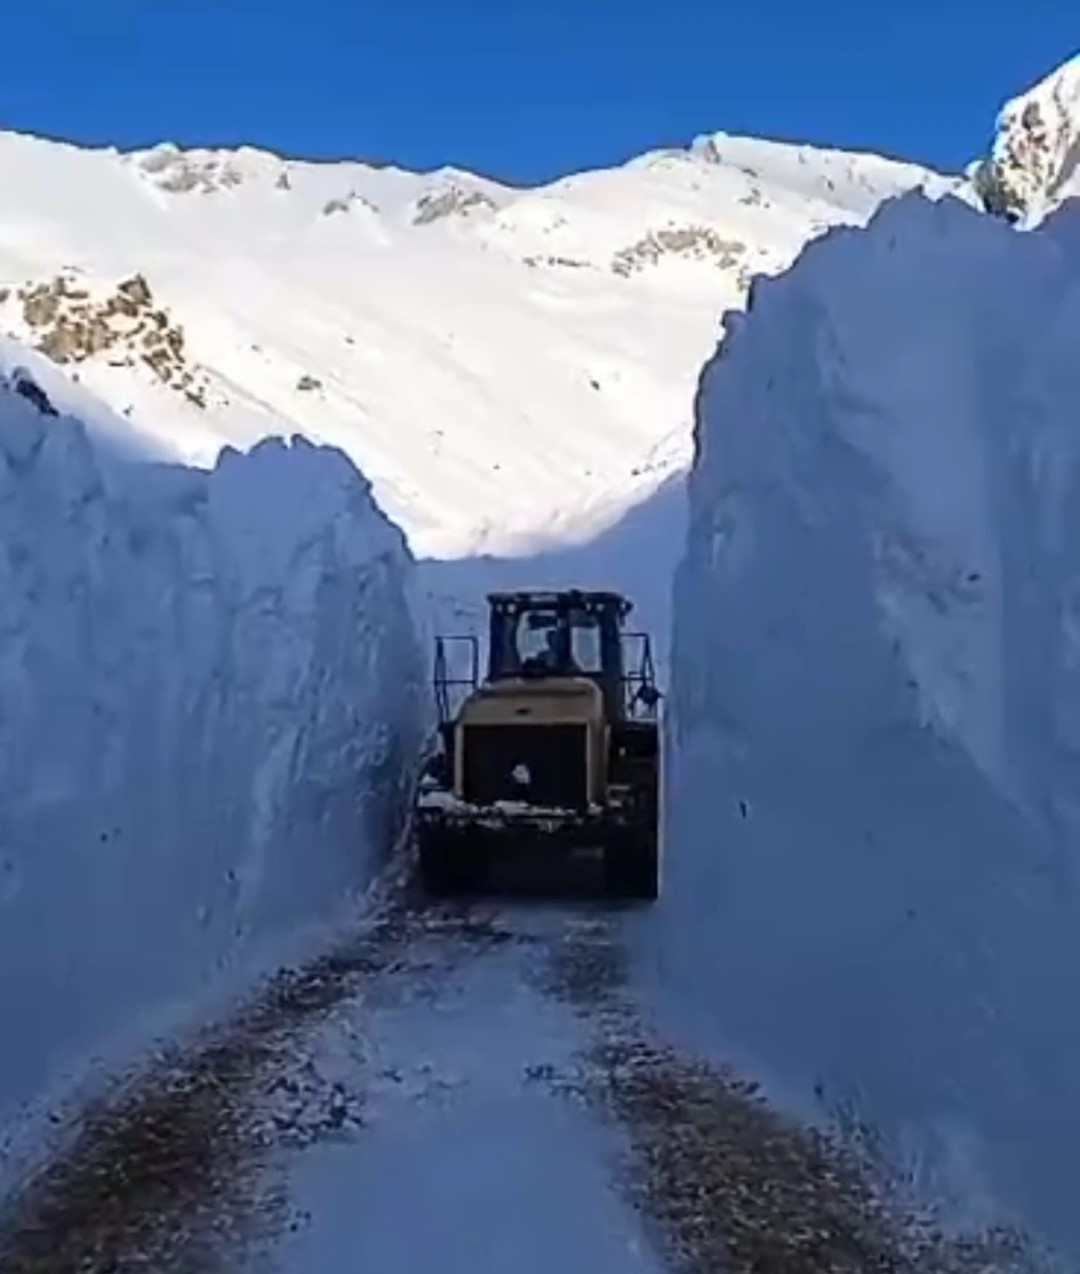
<point x="727" y="1182"/>
<point x="469" y="1163"/>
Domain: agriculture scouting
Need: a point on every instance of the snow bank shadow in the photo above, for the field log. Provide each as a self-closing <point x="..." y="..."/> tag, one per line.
<point x="212" y="695"/>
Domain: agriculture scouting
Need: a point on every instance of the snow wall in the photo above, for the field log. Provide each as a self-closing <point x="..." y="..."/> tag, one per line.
<point x="211" y="696"/>
<point x="875" y="801"/>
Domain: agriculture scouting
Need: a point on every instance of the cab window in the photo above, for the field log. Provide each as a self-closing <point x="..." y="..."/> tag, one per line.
<point x="537" y="637"/>
<point x="585" y="642"/>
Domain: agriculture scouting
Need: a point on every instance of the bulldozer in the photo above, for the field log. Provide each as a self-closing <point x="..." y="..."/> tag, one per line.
<point x="548" y="770"/>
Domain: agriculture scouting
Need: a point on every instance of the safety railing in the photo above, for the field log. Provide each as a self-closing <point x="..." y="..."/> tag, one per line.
<point x="639" y="676"/>
<point x="445" y="683"/>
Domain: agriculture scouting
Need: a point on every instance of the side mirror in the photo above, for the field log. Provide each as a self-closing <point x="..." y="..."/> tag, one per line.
<point x="649" y="696"/>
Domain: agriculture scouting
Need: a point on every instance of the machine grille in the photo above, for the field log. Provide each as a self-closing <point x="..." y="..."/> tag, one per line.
<point x="541" y="764"/>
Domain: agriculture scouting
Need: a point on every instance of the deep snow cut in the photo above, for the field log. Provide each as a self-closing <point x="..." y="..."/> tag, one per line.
<point x="873" y="888"/>
<point x="211" y="695"/>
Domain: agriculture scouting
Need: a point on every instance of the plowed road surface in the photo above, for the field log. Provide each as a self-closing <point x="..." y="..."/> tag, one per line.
<point x="469" y="1089"/>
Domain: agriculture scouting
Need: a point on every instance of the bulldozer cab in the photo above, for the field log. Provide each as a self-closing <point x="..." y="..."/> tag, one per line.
<point x="553" y="635"/>
<point x="536" y="635"/>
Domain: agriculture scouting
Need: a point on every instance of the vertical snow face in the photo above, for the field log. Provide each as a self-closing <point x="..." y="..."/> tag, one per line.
<point x="873" y="889"/>
<point x="211" y="696"/>
<point x="1034" y="164"/>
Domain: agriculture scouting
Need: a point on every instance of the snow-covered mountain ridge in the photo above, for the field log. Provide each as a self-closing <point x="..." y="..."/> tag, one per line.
<point x="1034" y="163"/>
<point x="509" y="366"/>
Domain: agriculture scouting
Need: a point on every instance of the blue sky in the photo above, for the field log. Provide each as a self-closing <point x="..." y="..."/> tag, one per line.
<point x="521" y="89"/>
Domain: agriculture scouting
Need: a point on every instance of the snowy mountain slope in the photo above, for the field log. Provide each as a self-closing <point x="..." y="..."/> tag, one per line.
<point x="202" y="674"/>
<point x="507" y="366"/>
<point x="875" y="700"/>
<point x="1034" y="163"/>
